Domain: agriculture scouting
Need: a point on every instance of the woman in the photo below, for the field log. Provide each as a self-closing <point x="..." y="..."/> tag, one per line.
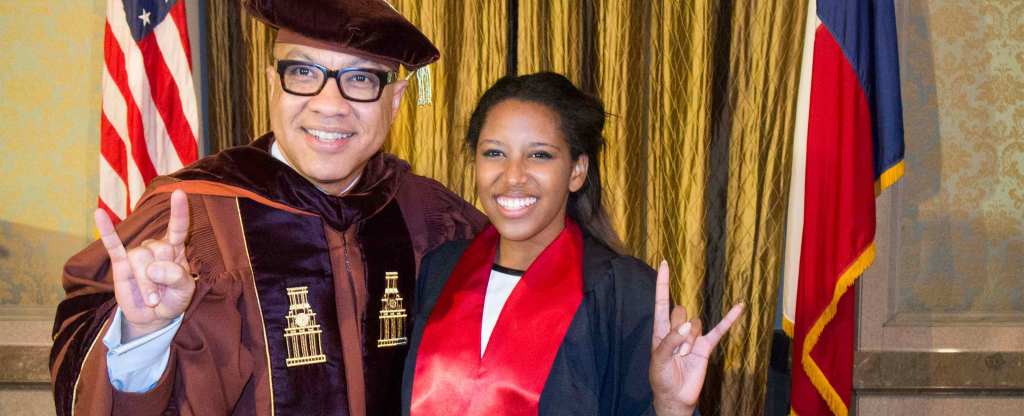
<point x="540" y="313"/>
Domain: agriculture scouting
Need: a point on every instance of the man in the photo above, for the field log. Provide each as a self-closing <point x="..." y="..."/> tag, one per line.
<point x="269" y="278"/>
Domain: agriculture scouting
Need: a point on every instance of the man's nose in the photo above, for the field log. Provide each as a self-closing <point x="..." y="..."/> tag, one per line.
<point x="330" y="102"/>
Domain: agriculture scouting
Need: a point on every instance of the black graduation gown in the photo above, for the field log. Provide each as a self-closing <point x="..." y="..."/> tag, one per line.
<point x="602" y="365"/>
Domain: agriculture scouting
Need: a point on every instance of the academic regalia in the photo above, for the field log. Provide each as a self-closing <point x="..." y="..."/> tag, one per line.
<point x="272" y="255"/>
<point x="601" y="362"/>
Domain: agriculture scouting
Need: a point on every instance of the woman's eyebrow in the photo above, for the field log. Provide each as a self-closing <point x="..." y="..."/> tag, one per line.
<point x="543" y="144"/>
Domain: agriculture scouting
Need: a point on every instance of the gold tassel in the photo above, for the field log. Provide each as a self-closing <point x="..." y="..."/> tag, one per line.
<point x="424" y="96"/>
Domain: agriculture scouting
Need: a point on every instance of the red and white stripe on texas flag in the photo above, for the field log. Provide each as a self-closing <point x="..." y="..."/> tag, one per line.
<point x="848" y="145"/>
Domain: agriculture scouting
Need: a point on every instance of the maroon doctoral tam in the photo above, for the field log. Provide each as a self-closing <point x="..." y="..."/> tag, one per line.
<point x="370" y="28"/>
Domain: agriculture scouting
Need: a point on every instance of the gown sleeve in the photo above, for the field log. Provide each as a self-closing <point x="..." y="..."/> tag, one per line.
<point x="77" y="360"/>
<point x="210" y="361"/>
<point x="634" y="298"/>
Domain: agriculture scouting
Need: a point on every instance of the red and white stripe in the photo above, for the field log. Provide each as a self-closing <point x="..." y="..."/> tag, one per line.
<point x="149" y="123"/>
<point x="795" y="212"/>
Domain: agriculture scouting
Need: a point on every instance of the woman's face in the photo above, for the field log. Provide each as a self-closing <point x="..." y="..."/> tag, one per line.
<point x="525" y="171"/>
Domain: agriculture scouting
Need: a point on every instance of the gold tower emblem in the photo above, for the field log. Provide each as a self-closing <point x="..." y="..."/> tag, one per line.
<point x="392" y="315"/>
<point x="302" y="335"/>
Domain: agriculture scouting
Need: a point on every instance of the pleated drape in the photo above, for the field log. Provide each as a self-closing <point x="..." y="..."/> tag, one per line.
<point x="549" y="37"/>
<point x="701" y="95"/>
<point x="239" y="49"/>
<point x="764" y="61"/>
<point x="471" y="36"/>
<point x="260" y="39"/>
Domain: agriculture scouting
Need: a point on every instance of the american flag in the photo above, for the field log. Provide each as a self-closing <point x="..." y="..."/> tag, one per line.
<point x="149" y="123"/>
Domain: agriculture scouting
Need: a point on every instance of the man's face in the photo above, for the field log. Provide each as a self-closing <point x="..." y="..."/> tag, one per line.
<point x="327" y="138"/>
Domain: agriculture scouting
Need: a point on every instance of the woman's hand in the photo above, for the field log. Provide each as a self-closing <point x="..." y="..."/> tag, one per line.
<point x="679" y="354"/>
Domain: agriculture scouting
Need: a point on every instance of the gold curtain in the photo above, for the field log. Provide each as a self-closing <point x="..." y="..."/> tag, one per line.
<point x="239" y="50"/>
<point x="701" y="95"/>
<point x="549" y="37"/>
<point x="260" y="39"/>
<point x="765" y="55"/>
<point x="471" y="36"/>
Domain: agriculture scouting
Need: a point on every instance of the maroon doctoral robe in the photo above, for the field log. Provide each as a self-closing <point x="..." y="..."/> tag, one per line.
<point x="258" y="229"/>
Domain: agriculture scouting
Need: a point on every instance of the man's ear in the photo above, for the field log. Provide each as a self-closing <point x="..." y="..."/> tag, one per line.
<point x="579" y="173"/>
<point x="271" y="81"/>
<point x="396" y="98"/>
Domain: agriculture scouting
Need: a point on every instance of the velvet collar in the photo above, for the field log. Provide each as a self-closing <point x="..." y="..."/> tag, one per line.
<point x="253" y="168"/>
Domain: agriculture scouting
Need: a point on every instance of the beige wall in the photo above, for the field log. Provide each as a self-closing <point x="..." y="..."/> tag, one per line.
<point x="49" y="145"/>
<point x="49" y="96"/>
<point x="49" y="112"/>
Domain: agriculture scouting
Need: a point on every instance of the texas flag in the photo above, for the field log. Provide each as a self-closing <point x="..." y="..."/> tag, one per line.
<point x="848" y="147"/>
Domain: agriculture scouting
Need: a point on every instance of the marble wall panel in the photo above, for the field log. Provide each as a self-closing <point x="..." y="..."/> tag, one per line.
<point x="960" y="243"/>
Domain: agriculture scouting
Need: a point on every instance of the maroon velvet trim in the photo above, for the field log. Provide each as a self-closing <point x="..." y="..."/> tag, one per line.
<point x="288" y="250"/>
<point x="83" y="317"/>
<point x="386" y="247"/>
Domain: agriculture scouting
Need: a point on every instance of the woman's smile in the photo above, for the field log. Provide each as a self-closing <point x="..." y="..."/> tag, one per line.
<point x="515" y="207"/>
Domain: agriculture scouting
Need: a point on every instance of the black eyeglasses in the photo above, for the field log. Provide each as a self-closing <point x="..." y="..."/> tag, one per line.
<point x="356" y="84"/>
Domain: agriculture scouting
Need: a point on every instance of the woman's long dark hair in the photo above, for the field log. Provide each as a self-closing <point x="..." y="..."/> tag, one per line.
<point x="581" y="117"/>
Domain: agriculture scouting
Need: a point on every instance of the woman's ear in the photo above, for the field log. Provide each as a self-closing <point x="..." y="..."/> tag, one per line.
<point x="579" y="173"/>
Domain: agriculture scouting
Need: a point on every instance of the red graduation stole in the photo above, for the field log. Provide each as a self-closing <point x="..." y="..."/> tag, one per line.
<point x="451" y="378"/>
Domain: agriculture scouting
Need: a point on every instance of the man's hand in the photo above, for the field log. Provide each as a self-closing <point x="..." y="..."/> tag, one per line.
<point x="679" y="354"/>
<point x="152" y="282"/>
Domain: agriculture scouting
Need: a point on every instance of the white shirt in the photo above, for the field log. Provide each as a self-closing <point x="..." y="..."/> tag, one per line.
<point x="499" y="286"/>
<point x="276" y="153"/>
<point x="136" y="367"/>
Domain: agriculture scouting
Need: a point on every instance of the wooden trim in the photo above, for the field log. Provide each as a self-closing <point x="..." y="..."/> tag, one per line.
<point x="929" y="371"/>
<point x="24" y="364"/>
